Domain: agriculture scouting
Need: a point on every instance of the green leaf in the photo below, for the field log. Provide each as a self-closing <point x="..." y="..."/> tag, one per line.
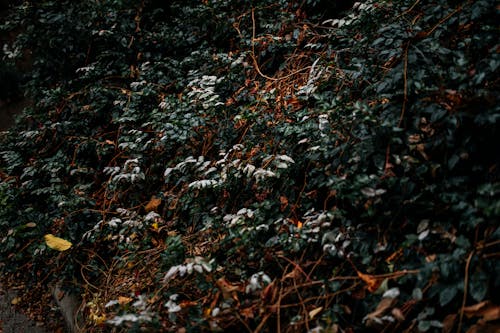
<point x="478" y="286"/>
<point x="447" y="294"/>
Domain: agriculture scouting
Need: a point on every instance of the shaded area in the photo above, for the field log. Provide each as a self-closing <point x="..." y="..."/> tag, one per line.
<point x="12" y="321"/>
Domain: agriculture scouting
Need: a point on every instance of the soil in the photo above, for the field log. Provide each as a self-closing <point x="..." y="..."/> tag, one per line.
<point x="13" y="321"/>
<point x="28" y="309"/>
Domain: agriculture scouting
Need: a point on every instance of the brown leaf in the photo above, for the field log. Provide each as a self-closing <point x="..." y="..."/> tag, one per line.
<point x="227" y="288"/>
<point x="371" y="281"/>
<point x="122" y="300"/>
<point x="382" y="307"/>
<point x="269" y="292"/>
<point x="294" y="274"/>
<point x="398" y="314"/>
<point x="487" y="310"/>
<point x="283" y="202"/>
<point x="153" y="204"/>
<point x="449" y="323"/>
<point x="247" y="313"/>
<point x="484" y="328"/>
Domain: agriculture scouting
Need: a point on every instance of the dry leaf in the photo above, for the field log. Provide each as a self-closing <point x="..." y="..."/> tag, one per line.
<point x="314" y="312"/>
<point x="227" y="288"/>
<point x="487" y="310"/>
<point x="30" y="224"/>
<point x="269" y="292"/>
<point x="382" y="307"/>
<point x="449" y="323"/>
<point x="247" y="313"/>
<point x="122" y="300"/>
<point x="372" y="281"/>
<point x="15" y="300"/>
<point x="484" y="328"/>
<point x="153" y="204"/>
<point x="57" y="243"/>
<point x="283" y="202"/>
<point x="398" y="314"/>
<point x="294" y="274"/>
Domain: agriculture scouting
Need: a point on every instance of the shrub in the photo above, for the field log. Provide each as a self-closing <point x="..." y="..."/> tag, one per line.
<point x="220" y="165"/>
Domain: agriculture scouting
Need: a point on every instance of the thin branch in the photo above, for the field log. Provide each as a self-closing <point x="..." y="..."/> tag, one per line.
<point x="446" y="18"/>
<point x="254" y="59"/>
<point x="405" y="88"/>
<point x="466" y="283"/>
<point x="409" y="9"/>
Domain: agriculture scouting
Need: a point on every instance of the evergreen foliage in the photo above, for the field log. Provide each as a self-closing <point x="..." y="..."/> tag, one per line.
<point x="260" y="166"/>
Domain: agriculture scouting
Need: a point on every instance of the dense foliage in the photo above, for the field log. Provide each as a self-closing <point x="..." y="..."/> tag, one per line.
<point x="259" y="166"/>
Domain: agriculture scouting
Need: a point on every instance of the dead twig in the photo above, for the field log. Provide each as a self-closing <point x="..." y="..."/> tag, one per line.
<point x="466" y="283"/>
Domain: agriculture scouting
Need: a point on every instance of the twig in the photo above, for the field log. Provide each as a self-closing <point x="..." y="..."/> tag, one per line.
<point x="466" y="283"/>
<point x="296" y="266"/>
<point x="302" y="304"/>
<point x="446" y="18"/>
<point x="405" y="88"/>
<point x="409" y="9"/>
<point x="262" y="323"/>
<point x="254" y="59"/>
<point x="243" y="322"/>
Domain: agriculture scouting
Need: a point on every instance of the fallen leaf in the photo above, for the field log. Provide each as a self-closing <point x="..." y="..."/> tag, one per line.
<point x="247" y="313"/>
<point x="153" y="204"/>
<point x="372" y="282"/>
<point x="487" y="310"/>
<point x="269" y="292"/>
<point x="57" y="243"/>
<point x="227" y="288"/>
<point x="382" y="307"/>
<point x="30" y="224"/>
<point x="122" y="300"/>
<point x="15" y="300"/>
<point x="398" y="314"/>
<point x="314" y="312"/>
<point x="449" y="323"/>
<point x="484" y="328"/>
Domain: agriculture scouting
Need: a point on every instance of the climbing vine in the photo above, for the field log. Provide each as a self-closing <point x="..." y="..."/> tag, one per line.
<point x="264" y="166"/>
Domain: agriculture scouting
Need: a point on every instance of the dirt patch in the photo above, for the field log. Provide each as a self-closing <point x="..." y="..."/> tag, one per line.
<point x="28" y="308"/>
<point x="12" y="321"/>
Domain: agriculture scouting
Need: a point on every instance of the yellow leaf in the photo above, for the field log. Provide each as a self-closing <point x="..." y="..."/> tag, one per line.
<point x="15" y="300"/>
<point x="57" y="243"/>
<point x="98" y="320"/>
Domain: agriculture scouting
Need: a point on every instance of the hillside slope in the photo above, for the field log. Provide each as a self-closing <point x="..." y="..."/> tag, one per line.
<point x="273" y="166"/>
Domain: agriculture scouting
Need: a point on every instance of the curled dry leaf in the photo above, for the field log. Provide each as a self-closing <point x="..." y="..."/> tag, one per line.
<point x="398" y="314"/>
<point x="122" y="300"/>
<point x="314" y="312"/>
<point x="371" y="281"/>
<point x="487" y="310"/>
<point x="385" y="304"/>
<point x="227" y="288"/>
<point x="153" y="204"/>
